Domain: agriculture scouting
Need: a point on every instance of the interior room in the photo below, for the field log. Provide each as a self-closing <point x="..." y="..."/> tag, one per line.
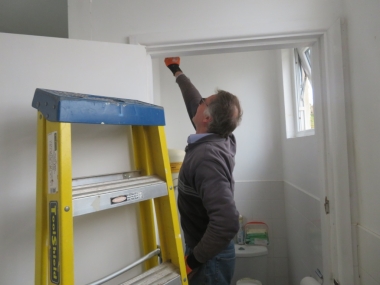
<point x="259" y="193"/>
<point x="317" y="193"/>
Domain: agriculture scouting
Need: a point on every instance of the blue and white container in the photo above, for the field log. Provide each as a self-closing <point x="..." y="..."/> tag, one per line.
<point x="240" y="234"/>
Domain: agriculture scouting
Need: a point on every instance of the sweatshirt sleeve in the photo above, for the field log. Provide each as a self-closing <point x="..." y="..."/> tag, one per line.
<point x="190" y="95"/>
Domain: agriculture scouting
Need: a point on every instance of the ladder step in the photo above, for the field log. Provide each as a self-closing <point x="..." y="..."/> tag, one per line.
<point x="62" y="106"/>
<point x="106" y="177"/>
<point x="163" y="274"/>
<point x="105" y="193"/>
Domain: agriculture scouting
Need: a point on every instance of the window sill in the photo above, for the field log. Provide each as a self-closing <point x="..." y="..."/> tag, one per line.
<point x="306" y="133"/>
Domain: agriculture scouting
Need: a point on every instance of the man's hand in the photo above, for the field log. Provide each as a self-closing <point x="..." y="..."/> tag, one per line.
<point x="173" y="64"/>
<point x="172" y="60"/>
<point x="188" y="269"/>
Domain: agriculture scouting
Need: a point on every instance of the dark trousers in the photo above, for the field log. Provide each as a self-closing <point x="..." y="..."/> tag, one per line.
<point x="216" y="271"/>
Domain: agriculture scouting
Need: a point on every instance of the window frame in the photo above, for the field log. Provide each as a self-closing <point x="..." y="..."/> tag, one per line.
<point x="294" y="131"/>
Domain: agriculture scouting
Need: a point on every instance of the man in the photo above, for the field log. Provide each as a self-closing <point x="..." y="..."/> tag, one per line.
<point x="209" y="218"/>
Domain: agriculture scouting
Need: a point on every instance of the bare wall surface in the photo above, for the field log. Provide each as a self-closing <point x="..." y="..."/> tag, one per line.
<point x="252" y="77"/>
<point x="154" y="22"/>
<point x="363" y="39"/>
<point x="27" y="63"/>
<point x="36" y="17"/>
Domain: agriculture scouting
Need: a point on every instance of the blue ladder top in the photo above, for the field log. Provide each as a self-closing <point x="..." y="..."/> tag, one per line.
<point x="69" y="107"/>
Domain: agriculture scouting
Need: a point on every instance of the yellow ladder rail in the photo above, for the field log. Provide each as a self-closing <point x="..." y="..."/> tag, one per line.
<point x="54" y="220"/>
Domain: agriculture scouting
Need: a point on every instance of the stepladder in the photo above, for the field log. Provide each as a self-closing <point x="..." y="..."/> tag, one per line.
<point x="60" y="198"/>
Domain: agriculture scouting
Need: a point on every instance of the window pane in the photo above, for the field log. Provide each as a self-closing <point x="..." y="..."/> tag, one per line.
<point x="307" y="54"/>
<point x="304" y="91"/>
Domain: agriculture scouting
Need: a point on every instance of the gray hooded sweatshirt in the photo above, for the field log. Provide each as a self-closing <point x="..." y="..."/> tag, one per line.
<point x="209" y="218"/>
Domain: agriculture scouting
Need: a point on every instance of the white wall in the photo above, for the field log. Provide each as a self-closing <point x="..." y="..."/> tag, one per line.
<point x="165" y="21"/>
<point x="362" y="36"/>
<point x="252" y="76"/>
<point x="27" y="63"/>
<point x="302" y="191"/>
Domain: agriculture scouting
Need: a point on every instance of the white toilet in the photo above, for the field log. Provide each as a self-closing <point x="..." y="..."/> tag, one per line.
<point x="251" y="263"/>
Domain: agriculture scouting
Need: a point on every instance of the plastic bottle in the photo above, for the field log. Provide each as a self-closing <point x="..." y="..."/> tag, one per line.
<point x="240" y="234"/>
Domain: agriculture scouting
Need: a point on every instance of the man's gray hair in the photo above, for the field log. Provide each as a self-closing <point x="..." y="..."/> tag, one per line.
<point x="225" y="112"/>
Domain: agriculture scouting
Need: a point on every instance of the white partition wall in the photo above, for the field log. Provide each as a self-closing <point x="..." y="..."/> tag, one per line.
<point x="27" y="63"/>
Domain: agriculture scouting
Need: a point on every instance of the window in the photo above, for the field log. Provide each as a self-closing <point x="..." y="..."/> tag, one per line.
<point x="298" y="92"/>
<point x="304" y="91"/>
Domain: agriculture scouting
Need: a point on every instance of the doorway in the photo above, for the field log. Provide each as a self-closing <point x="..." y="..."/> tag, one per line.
<point x="332" y="176"/>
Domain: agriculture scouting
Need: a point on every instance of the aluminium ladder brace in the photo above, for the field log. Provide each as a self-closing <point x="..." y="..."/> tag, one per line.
<point x="59" y="198"/>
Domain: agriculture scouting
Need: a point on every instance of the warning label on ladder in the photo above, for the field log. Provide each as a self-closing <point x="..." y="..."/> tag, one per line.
<point x="52" y="162"/>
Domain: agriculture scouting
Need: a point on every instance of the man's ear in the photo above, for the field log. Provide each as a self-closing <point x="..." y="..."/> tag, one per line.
<point x="207" y="119"/>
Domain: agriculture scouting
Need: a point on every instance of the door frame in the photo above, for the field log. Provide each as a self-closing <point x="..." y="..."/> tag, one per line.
<point x="337" y="234"/>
